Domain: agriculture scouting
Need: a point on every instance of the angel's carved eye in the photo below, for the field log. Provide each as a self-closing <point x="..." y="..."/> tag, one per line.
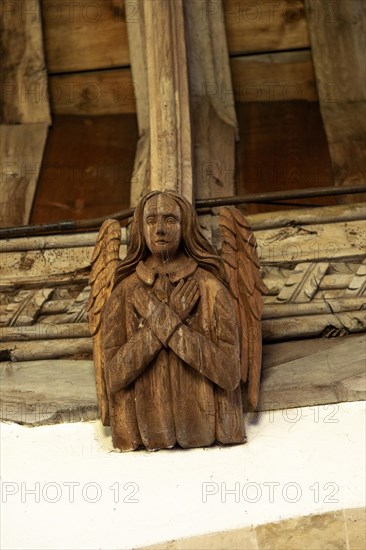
<point x="171" y="220"/>
<point x="150" y="220"/>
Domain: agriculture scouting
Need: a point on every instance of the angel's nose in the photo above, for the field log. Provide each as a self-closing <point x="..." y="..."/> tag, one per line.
<point x="160" y="229"/>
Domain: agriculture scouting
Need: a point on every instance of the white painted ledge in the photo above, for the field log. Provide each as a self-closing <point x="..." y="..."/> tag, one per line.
<point x="288" y="468"/>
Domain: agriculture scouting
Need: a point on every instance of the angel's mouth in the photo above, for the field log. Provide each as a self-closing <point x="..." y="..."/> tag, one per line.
<point x="161" y="242"/>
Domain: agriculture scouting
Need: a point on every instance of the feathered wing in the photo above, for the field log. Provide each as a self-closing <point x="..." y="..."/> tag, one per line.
<point x="104" y="262"/>
<point x="238" y="251"/>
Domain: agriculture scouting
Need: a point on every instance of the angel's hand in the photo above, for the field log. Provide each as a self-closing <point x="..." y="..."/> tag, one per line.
<point x="145" y="303"/>
<point x="184" y="297"/>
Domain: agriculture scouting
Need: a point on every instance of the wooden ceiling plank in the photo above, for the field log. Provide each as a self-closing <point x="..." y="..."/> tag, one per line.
<point x="86" y="35"/>
<point x="283" y="76"/>
<point x="263" y="78"/>
<point x="263" y="25"/>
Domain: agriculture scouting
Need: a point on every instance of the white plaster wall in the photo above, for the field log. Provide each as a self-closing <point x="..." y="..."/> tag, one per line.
<point x="84" y="496"/>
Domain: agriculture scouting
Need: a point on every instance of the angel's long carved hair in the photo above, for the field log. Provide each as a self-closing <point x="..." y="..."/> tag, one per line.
<point x="194" y="243"/>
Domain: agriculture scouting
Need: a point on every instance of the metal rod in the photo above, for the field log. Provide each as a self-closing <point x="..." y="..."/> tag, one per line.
<point x="281" y="195"/>
<point x="71" y="225"/>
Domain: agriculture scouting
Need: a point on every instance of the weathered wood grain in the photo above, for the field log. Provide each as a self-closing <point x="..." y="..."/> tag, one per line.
<point x="40" y="331"/>
<point x="345" y="126"/>
<point x="48" y="349"/>
<point x="16" y="281"/>
<point x="295" y="374"/>
<point x="86" y="35"/>
<point x="281" y="353"/>
<point x="24" y="93"/>
<point x="337" y="35"/>
<point x="317" y="376"/>
<point x="106" y="92"/>
<point x="138" y="47"/>
<point x="214" y="124"/>
<point x="261" y="25"/>
<point x="308" y="216"/>
<point x="318" y="306"/>
<point x="28" y="397"/>
<point x="310" y="326"/>
<point x="21" y="153"/>
<point x="141" y="170"/>
<point x="192" y="320"/>
<point x="282" y="76"/>
<point x="24" y="108"/>
<point x="76" y="240"/>
<point x="137" y="44"/>
<point x="170" y="125"/>
<point x="48" y="262"/>
<point x="312" y="243"/>
<point x="92" y="35"/>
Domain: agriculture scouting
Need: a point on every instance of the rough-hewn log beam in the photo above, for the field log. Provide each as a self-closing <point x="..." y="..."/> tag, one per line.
<point x="295" y="374"/>
<point x="170" y="126"/>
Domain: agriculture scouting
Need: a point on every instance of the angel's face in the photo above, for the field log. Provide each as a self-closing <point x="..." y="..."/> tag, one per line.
<point x="162" y="226"/>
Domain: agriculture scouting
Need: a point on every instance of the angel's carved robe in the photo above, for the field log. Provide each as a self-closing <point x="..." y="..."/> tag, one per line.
<point x="172" y="382"/>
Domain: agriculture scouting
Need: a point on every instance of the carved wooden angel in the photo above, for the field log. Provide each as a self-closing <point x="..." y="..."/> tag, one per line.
<point x="176" y="327"/>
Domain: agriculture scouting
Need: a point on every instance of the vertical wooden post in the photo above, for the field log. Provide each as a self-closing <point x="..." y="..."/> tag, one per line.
<point x="140" y="182"/>
<point x="24" y="108"/>
<point x="170" y="126"/>
<point x="184" y="97"/>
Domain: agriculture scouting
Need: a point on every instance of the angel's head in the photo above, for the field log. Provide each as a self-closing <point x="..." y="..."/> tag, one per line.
<point x="165" y="222"/>
<point x="162" y="226"/>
